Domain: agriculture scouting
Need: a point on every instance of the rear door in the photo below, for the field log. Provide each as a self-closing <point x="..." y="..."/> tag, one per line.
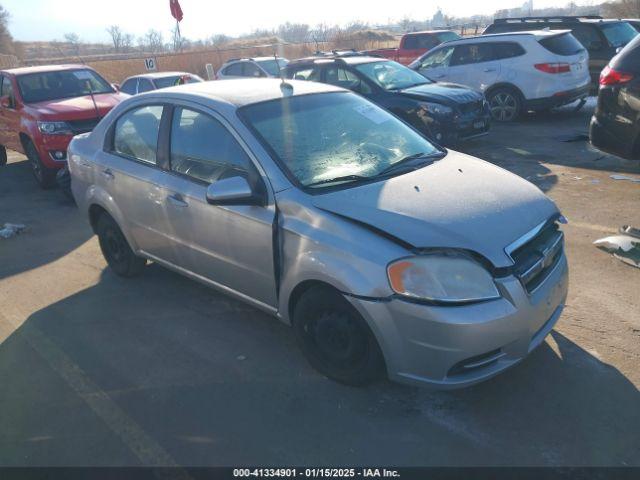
<point x="130" y="172"/>
<point x="230" y="245"/>
<point x="435" y="64"/>
<point x="475" y="65"/>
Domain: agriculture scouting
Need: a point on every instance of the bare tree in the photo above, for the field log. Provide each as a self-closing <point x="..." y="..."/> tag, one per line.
<point x="152" y="42"/>
<point x="116" y="34"/>
<point x="622" y="9"/>
<point x="74" y="41"/>
<point x="293" y="32"/>
<point x="6" y="40"/>
<point x="218" y="40"/>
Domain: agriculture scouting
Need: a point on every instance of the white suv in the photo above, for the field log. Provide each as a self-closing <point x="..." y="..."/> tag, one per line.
<point x="517" y="72"/>
<point x="252" y="67"/>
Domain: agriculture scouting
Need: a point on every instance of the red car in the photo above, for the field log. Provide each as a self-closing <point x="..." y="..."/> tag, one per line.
<point x="414" y="44"/>
<point x="42" y="108"/>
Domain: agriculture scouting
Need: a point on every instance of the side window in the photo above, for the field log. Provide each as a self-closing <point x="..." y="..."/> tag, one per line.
<point x="342" y="77"/>
<point x="136" y="133"/>
<point x="467" y="54"/>
<point x="587" y="36"/>
<point x="144" y="85"/>
<point x="7" y="91"/>
<point x="439" y="58"/>
<point x="234" y="69"/>
<point x="129" y="86"/>
<point x="251" y="70"/>
<point x="312" y="74"/>
<point x="203" y="149"/>
<point x="507" y="50"/>
<point x="411" y="42"/>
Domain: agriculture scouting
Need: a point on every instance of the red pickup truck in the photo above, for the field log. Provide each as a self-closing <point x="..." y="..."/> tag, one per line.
<point x="414" y="44"/>
<point x="42" y="108"/>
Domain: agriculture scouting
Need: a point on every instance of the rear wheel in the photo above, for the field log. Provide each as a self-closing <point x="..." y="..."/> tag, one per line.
<point x="46" y="177"/>
<point x="505" y="104"/>
<point x="3" y="156"/>
<point x="335" y="339"/>
<point x="116" y="249"/>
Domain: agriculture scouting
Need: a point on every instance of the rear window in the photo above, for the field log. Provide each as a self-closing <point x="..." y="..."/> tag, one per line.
<point x="628" y="60"/>
<point x="448" y="36"/>
<point x="564" y="44"/>
<point x="618" y="33"/>
<point x="165" y="82"/>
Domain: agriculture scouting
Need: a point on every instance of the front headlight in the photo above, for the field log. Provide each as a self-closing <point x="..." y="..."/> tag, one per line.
<point x="54" y="128"/>
<point x="436" y="108"/>
<point x="442" y="277"/>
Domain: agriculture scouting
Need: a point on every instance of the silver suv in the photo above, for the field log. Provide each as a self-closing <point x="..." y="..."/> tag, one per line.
<point x="384" y="252"/>
<point x="252" y="67"/>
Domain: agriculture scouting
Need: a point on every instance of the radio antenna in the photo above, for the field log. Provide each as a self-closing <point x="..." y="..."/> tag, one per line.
<point x="285" y="88"/>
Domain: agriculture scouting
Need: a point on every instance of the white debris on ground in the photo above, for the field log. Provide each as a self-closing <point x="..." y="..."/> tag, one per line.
<point x="624" y="247"/>
<point x="11" y="229"/>
<point x="625" y="177"/>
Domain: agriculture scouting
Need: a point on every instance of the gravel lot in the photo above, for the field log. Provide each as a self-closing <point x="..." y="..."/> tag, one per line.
<point x="97" y="370"/>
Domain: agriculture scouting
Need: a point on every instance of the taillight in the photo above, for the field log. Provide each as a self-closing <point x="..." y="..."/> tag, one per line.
<point x="553" y="67"/>
<point x="609" y="76"/>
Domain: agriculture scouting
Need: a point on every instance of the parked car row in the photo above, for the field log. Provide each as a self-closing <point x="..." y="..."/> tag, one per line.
<point x="442" y="92"/>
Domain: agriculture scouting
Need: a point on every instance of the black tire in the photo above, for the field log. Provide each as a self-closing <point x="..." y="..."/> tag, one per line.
<point x="116" y="249"/>
<point x="335" y="339"/>
<point x="46" y="177"/>
<point x="505" y="104"/>
<point x="63" y="180"/>
<point x="3" y="156"/>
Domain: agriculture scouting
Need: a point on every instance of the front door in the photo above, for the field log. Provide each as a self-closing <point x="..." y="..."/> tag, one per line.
<point x="474" y="65"/>
<point x="229" y="245"/>
<point x="435" y="65"/>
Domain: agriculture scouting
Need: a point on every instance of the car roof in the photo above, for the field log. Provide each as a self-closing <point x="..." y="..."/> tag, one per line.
<point x="44" y="68"/>
<point x="253" y="59"/>
<point x="246" y="91"/>
<point x="537" y="34"/>
<point x="443" y="30"/>
<point x="349" y="60"/>
<point x="158" y="75"/>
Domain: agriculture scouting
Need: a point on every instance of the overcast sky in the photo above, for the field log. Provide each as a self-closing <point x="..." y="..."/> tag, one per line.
<point x="51" y="19"/>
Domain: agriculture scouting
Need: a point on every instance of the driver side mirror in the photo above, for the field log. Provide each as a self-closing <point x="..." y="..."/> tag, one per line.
<point x="232" y="191"/>
<point x="5" y="102"/>
<point x="116" y="86"/>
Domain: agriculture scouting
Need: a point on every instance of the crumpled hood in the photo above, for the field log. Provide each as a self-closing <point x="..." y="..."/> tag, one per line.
<point x="444" y="93"/>
<point x="76" y="108"/>
<point x="457" y="202"/>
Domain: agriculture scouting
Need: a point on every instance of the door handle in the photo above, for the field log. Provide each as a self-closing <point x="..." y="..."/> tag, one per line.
<point x="439" y="76"/>
<point x="489" y="69"/>
<point x="177" y="201"/>
<point x="108" y="174"/>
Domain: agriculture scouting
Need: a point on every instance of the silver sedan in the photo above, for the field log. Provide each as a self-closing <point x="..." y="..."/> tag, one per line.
<point x="385" y="252"/>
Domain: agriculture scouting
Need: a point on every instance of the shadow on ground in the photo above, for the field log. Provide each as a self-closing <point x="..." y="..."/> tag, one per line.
<point x="54" y="226"/>
<point x="560" y="137"/>
<point x="159" y="369"/>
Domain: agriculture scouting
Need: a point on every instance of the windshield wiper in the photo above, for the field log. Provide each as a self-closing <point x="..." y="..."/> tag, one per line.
<point x="343" y="178"/>
<point x="403" y="162"/>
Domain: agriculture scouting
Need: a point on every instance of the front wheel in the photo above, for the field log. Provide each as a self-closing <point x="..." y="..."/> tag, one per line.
<point x="505" y="104"/>
<point x="46" y="177"/>
<point x="335" y="339"/>
<point x="116" y="249"/>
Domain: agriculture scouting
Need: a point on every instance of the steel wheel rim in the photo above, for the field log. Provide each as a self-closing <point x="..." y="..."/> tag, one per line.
<point x="504" y="107"/>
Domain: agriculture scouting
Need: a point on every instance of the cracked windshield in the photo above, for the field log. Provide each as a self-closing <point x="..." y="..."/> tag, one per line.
<point x="320" y="138"/>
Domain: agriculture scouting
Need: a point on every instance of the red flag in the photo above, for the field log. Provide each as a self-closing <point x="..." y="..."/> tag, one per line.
<point x="176" y="11"/>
